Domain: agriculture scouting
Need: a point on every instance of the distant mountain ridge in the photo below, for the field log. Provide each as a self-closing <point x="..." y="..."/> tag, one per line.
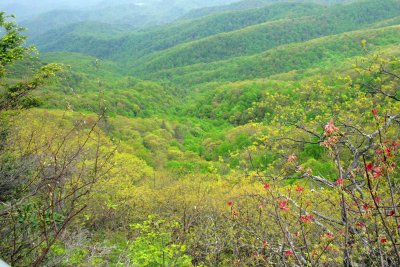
<point x="317" y="22"/>
<point x="163" y="37"/>
<point x="218" y="37"/>
<point x="40" y="17"/>
<point x="250" y="4"/>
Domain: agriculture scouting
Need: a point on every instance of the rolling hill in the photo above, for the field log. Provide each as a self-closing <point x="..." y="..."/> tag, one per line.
<point x="221" y="36"/>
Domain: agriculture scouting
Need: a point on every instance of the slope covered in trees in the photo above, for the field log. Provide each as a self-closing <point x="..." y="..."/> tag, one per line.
<point x="249" y="4"/>
<point x="334" y="19"/>
<point x="311" y="54"/>
<point x="45" y="15"/>
<point x="138" y="44"/>
<point x="261" y="37"/>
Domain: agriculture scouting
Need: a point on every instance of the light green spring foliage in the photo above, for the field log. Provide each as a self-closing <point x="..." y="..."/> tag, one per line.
<point x="11" y="41"/>
<point x="154" y="245"/>
<point x="14" y="94"/>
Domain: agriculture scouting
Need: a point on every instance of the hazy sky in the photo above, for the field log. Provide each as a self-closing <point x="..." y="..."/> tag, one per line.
<point x="29" y="8"/>
<point x="41" y="16"/>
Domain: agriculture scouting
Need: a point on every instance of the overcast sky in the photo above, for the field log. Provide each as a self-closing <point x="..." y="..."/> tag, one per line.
<point x="27" y="9"/>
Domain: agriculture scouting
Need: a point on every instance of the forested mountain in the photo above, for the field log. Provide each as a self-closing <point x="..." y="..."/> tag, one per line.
<point x="200" y="133"/>
<point x="226" y="35"/>
<point x="279" y="60"/>
<point x="250" y="4"/>
<point x="165" y="37"/>
<point x="42" y="16"/>
<point x="265" y="36"/>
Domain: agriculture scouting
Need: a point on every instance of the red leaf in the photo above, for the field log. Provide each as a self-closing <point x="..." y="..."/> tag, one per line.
<point x="369" y="166"/>
<point x="299" y="188"/>
<point x="283" y="205"/>
<point x="288" y="253"/>
<point x="339" y="181"/>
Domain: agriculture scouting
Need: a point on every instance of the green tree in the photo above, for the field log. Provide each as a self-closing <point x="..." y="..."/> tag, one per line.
<point x="45" y="174"/>
<point x="155" y="247"/>
<point x="12" y="49"/>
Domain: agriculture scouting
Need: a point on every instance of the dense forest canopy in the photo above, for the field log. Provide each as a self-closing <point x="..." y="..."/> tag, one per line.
<point x="200" y="133"/>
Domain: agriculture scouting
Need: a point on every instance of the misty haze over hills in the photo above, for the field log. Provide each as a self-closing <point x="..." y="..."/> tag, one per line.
<point x="26" y="9"/>
<point x="44" y="15"/>
<point x="40" y="16"/>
